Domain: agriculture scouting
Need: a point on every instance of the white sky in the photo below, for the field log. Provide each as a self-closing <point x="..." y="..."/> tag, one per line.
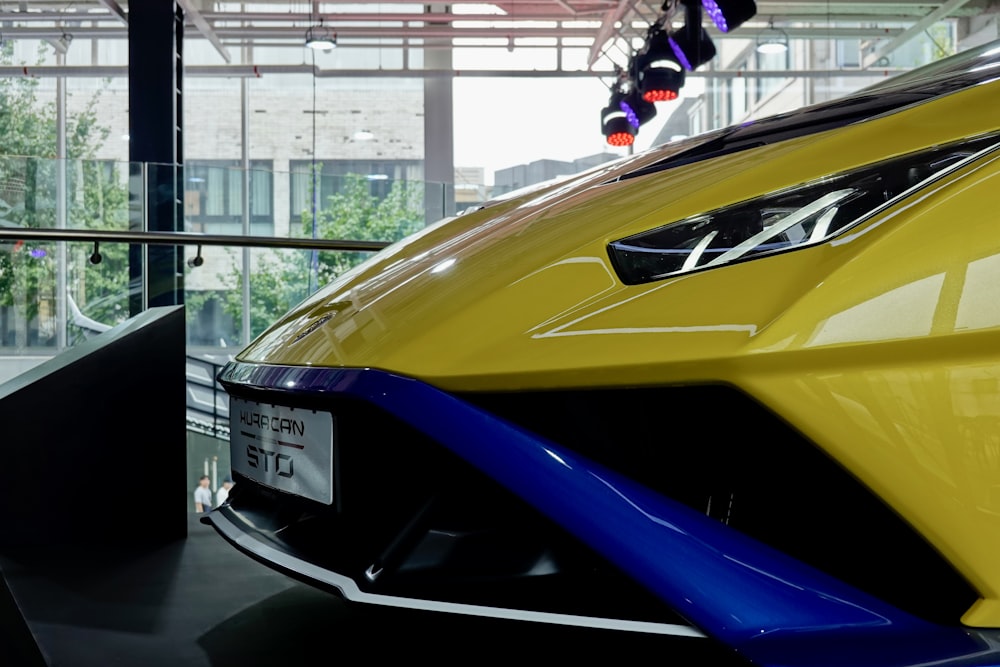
<point x="503" y="122"/>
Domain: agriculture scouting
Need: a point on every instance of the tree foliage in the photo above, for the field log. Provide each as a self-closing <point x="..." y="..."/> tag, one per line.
<point x="355" y="214"/>
<point x="28" y="180"/>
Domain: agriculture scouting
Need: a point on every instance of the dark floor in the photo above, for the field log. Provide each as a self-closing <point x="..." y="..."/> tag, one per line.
<point x="199" y="602"/>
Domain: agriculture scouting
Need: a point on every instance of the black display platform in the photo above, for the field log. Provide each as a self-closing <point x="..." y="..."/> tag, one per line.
<point x="111" y="408"/>
<point x="199" y="602"/>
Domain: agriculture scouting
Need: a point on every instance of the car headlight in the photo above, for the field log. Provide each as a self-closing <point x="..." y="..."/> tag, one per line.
<point x="800" y="216"/>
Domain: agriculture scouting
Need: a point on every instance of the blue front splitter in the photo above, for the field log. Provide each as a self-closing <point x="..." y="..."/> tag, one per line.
<point x="771" y="608"/>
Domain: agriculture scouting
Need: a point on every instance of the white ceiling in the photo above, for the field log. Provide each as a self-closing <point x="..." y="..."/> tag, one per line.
<point x="593" y="23"/>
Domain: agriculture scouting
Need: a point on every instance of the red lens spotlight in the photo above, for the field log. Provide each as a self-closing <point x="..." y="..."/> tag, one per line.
<point x="621" y="139"/>
<point x="659" y="95"/>
<point x="615" y="124"/>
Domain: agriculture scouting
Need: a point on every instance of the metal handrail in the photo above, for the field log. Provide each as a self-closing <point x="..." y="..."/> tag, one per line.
<point x="186" y="238"/>
<point x="216" y="389"/>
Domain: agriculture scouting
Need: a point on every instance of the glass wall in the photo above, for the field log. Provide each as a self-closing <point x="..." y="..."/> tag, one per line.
<point x="836" y="67"/>
<point x="37" y="316"/>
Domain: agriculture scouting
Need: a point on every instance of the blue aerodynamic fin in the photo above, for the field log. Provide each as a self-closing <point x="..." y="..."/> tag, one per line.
<point x="771" y="608"/>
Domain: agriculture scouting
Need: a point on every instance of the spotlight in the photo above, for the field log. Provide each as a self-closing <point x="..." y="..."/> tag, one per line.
<point x="321" y="38"/>
<point x="615" y="123"/>
<point x="692" y="50"/>
<point x="621" y="138"/>
<point x="729" y="14"/>
<point x="658" y="74"/>
<point x="637" y="109"/>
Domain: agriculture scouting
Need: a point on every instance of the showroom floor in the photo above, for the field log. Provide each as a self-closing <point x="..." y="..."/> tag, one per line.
<point x="199" y="602"/>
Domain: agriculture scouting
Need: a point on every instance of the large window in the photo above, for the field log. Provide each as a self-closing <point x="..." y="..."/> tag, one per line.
<point x="332" y="176"/>
<point x="738" y="95"/>
<point x="770" y="62"/>
<point x="213" y="196"/>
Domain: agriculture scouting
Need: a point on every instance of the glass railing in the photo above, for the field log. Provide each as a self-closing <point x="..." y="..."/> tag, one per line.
<point x="305" y="203"/>
<point x="53" y="294"/>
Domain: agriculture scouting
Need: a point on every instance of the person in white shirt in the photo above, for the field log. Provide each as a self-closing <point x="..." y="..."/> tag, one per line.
<point x="203" y="495"/>
<point x="223" y="493"/>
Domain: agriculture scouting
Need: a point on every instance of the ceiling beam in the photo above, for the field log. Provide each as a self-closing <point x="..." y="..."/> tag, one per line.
<point x="565" y="5"/>
<point x="422" y="32"/>
<point x="191" y="12"/>
<point x="116" y="9"/>
<point x="590" y="16"/>
<point x="607" y="30"/>
<point x="930" y="19"/>
<point x="347" y="17"/>
<point x="256" y="71"/>
<point x="866" y="7"/>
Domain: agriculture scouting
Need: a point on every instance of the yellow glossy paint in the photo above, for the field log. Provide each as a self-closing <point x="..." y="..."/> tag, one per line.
<point x="880" y="346"/>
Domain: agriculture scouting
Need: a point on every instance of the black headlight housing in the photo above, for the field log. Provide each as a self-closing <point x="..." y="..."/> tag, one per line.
<point x="796" y="217"/>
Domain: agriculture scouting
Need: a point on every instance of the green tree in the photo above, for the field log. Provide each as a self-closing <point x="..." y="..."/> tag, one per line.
<point x="280" y="280"/>
<point x="355" y="214"/>
<point x="28" y="174"/>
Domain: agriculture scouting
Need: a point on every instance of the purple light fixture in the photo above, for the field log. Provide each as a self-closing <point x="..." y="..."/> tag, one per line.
<point x="729" y="14"/>
<point x="692" y="51"/>
<point x="658" y="73"/>
<point x="637" y="110"/>
<point x="681" y="56"/>
<point x="616" y="126"/>
<point x="630" y="114"/>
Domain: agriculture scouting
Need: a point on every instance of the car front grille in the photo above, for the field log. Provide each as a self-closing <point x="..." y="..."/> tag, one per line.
<point x="718" y="451"/>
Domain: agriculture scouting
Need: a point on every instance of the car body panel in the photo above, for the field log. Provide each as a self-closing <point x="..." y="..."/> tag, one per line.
<point x="458" y="305"/>
<point x="879" y="346"/>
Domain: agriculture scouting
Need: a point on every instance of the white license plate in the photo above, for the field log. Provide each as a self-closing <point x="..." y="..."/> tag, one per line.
<point x="289" y="449"/>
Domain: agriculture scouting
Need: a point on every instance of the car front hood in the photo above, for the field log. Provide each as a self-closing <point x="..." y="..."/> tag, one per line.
<point x="523" y="294"/>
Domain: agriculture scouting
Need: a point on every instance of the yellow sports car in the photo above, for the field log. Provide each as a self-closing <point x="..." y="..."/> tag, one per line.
<point x="744" y="388"/>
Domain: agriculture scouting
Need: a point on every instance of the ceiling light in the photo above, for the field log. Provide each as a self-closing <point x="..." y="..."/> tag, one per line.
<point x="692" y="50"/>
<point x="638" y="110"/>
<point x="772" y="40"/>
<point x="615" y="123"/>
<point x="321" y="38"/>
<point x="729" y="14"/>
<point x="621" y="138"/>
<point x="658" y="73"/>
<point x="363" y="135"/>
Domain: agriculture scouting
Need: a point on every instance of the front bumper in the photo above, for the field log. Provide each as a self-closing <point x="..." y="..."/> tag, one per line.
<point x="243" y="530"/>
<point x="771" y="608"/>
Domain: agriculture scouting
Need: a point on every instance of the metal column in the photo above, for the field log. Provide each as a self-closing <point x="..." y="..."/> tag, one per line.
<point x="62" y="204"/>
<point x="245" y="332"/>
<point x="439" y="143"/>
<point x="156" y="30"/>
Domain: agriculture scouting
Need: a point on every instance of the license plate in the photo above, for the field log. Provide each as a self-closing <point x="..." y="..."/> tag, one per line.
<point x="289" y="449"/>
